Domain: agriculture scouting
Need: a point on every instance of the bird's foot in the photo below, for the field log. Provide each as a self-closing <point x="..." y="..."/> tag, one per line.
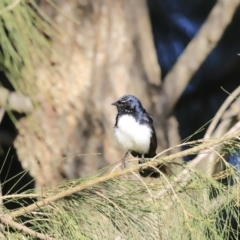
<point x="142" y="160"/>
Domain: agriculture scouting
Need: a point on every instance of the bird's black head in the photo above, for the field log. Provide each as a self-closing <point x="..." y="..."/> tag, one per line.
<point x="127" y="104"/>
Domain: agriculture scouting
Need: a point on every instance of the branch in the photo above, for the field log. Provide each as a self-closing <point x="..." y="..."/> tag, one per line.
<point x="7" y="220"/>
<point x="215" y="130"/>
<point x="183" y="178"/>
<point x="14" y="101"/>
<point x="232" y="97"/>
<point x="197" y="51"/>
<point x="154" y="162"/>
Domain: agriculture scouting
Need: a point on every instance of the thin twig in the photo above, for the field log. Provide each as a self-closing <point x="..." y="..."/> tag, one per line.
<point x="145" y="185"/>
<point x="200" y="158"/>
<point x="7" y="220"/>
<point x="10" y="7"/>
<point x="175" y="196"/>
<point x="119" y="164"/>
<point x="183" y="177"/>
<point x="71" y="18"/>
<point x="221" y="111"/>
<point x="31" y="195"/>
<point x="111" y="202"/>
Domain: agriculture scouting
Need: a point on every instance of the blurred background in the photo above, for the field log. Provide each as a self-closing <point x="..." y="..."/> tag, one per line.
<point x="64" y="62"/>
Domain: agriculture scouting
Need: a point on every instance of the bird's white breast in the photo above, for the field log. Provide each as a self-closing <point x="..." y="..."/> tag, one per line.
<point x="131" y="135"/>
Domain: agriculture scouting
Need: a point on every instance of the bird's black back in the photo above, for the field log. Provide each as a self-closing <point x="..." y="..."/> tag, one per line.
<point x="144" y="118"/>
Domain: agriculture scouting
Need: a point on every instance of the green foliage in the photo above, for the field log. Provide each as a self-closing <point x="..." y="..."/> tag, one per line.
<point x="189" y="204"/>
<point x="23" y="30"/>
<point x="128" y="208"/>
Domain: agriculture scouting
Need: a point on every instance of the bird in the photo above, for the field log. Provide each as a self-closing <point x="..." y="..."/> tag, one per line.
<point x="134" y="130"/>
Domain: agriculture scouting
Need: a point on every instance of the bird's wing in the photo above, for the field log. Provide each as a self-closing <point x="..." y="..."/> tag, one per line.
<point x="146" y="118"/>
<point x="153" y="142"/>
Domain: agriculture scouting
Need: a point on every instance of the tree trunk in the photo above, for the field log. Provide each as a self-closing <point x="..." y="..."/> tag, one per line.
<point x="105" y="50"/>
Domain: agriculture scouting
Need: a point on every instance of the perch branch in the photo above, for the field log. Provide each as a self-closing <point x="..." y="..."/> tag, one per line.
<point x="154" y="162"/>
<point x="197" y="51"/>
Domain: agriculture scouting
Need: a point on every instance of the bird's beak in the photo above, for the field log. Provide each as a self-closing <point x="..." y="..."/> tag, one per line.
<point x="115" y="103"/>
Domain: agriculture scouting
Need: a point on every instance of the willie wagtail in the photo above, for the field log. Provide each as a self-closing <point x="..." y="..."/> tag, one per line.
<point x="134" y="129"/>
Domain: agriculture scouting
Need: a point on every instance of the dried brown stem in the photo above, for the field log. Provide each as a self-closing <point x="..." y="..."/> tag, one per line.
<point x="197" y="51"/>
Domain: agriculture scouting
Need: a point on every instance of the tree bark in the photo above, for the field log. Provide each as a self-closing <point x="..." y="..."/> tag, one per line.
<point x="105" y="50"/>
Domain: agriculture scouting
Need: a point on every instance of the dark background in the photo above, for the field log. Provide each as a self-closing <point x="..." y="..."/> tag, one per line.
<point x="174" y="24"/>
